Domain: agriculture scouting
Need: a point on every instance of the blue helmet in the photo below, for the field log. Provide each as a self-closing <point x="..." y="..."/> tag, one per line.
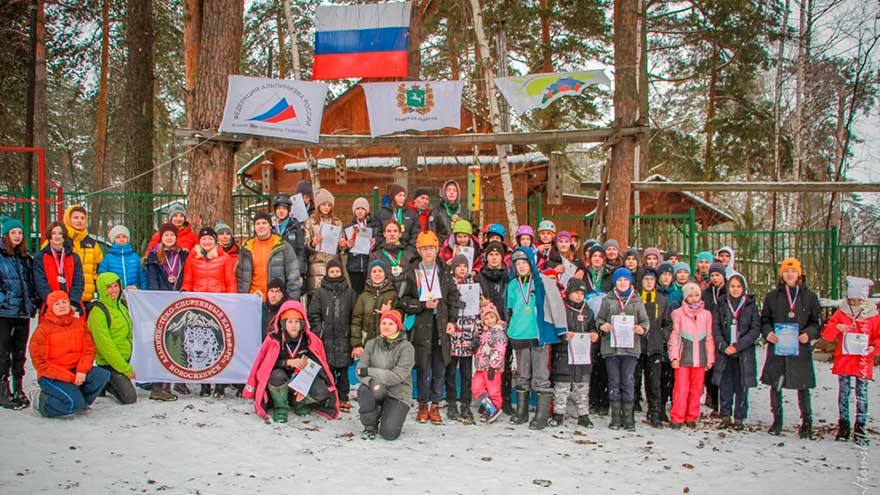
<point x="497" y="229"/>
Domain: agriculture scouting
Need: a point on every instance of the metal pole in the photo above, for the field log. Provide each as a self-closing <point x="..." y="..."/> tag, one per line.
<point x="834" y="268"/>
<point x="692" y="237"/>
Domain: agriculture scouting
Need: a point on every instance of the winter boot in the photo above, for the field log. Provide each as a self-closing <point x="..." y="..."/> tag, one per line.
<point x="219" y="392"/>
<point x="725" y="422"/>
<point x="506" y="406"/>
<point x="806" y="429"/>
<point x="280" y="407"/>
<point x="556" y="420"/>
<point x="738" y="425"/>
<point x="860" y="435"/>
<point x="205" y="391"/>
<point x="162" y="391"/>
<point x="181" y="389"/>
<point x="467" y="417"/>
<point x="654" y="419"/>
<point x="584" y="421"/>
<point x="38" y="402"/>
<point x="370" y="421"/>
<point x="18" y="394"/>
<point x="616" y="410"/>
<point x="5" y="397"/>
<point x="628" y="418"/>
<point x="637" y="406"/>
<point x="602" y="409"/>
<point x="521" y="415"/>
<point x="542" y="413"/>
<point x="422" y="415"/>
<point x="843" y="431"/>
<point x="369" y="433"/>
<point x="776" y="427"/>
<point x="452" y="410"/>
<point x="663" y="417"/>
<point x="434" y="414"/>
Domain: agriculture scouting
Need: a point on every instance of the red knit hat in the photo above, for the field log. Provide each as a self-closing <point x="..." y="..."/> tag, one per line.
<point x="394" y="316"/>
<point x="167" y="227"/>
<point x="54" y="297"/>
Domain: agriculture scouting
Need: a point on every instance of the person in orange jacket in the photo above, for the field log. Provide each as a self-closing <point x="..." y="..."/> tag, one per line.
<point x="63" y="354"/>
<point x="208" y="268"/>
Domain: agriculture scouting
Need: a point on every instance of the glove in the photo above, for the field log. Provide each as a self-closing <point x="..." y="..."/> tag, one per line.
<point x="361" y="372"/>
<point x="378" y="391"/>
<point x="491" y="374"/>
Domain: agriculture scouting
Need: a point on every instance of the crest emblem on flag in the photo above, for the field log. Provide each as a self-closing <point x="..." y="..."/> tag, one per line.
<point x="534" y="91"/>
<point x="415" y="99"/>
<point x="194" y="339"/>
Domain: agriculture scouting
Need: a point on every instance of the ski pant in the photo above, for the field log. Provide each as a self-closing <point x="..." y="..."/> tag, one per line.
<point x="463" y="366"/>
<point x="843" y="392"/>
<point x="533" y="368"/>
<point x="506" y="379"/>
<point x="491" y="387"/>
<point x="653" y="369"/>
<point x="733" y="396"/>
<point x="63" y="398"/>
<point x="686" y="394"/>
<point x="386" y="414"/>
<point x="120" y="387"/>
<point x="358" y="281"/>
<point x="578" y="391"/>
<point x="598" y="381"/>
<point x="13" y="346"/>
<point x="712" y="391"/>
<point x="621" y="377"/>
<point x="667" y="383"/>
<point x="804" y="403"/>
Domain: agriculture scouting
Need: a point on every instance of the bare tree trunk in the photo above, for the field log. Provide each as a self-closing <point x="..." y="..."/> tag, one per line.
<point x="549" y="115"/>
<point x="485" y="56"/>
<point x="777" y="116"/>
<point x="709" y="129"/>
<point x="294" y="47"/>
<point x="626" y="114"/>
<point x="452" y="47"/>
<point x="282" y="58"/>
<point x="644" y="140"/>
<point x="101" y="120"/>
<point x="192" y="35"/>
<point x="804" y="40"/>
<point x="211" y="168"/>
<point x="36" y="118"/>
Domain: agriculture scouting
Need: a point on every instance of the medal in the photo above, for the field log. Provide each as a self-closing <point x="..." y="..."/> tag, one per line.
<point x="172" y="267"/>
<point x="528" y="309"/>
<point x="59" y="265"/>
<point x="61" y="279"/>
<point x="525" y="295"/>
<point x="580" y="317"/>
<point x="791" y="314"/>
<point x="172" y="279"/>
<point x="396" y="271"/>
<point x="792" y="301"/>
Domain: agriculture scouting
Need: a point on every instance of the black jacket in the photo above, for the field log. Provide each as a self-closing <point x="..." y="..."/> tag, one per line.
<point x="390" y="254"/>
<point x="269" y="312"/>
<point x="411" y="226"/>
<point x="441" y="222"/>
<point x="712" y="297"/>
<point x="493" y="286"/>
<point x="654" y="342"/>
<point x="293" y="235"/>
<point x="748" y="329"/>
<point x="792" y="372"/>
<point x="360" y="262"/>
<point x="605" y="285"/>
<point x="157" y="278"/>
<point x="422" y="332"/>
<point x="330" y="308"/>
<point x="562" y="371"/>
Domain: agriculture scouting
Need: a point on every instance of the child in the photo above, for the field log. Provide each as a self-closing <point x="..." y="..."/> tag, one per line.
<point x="856" y="315"/>
<point x="704" y="261"/>
<point x="450" y="210"/>
<point x="489" y="361"/>
<point x="493" y="286"/>
<point x="653" y="347"/>
<point x="546" y="236"/>
<point x="692" y="351"/>
<point x="726" y="256"/>
<point x="525" y="237"/>
<point x="652" y="257"/>
<point x="563" y="250"/>
<point x="631" y="263"/>
<point x="314" y="227"/>
<point x="275" y="297"/>
<point x="792" y="303"/>
<point x="357" y="263"/>
<point x="682" y="273"/>
<point x="462" y="236"/>
<point x="736" y="325"/>
<point x="398" y="256"/>
<point x="379" y="296"/>
<point x="713" y="295"/>
<point x="461" y="351"/>
<point x="330" y="310"/>
<point x="573" y="379"/>
<point x="496" y="232"/>
<point x="599" y="283"/>
<point x="620" y="361"/>
<point x="672" y="258"/>
<point x="665" y="280"/>
<point x="122" y="260"/>
<point x="394" y="208"/>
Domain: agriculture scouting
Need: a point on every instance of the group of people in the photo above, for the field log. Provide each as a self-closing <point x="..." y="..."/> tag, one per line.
<point x="486" y="321"/>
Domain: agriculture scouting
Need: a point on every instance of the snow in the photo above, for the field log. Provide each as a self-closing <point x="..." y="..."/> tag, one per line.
<point x="394" y="161"/>
<point x="206" y="446"/>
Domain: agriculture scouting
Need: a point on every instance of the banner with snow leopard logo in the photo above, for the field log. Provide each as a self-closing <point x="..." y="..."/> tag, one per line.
<point x="194" y="336"/>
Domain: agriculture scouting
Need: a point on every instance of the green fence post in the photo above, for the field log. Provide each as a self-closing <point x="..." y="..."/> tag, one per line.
<point x="834" y="268"/>
<point x="539" y="208"/>
<point x="376" y="205"/>
<point x="692" y="238"/>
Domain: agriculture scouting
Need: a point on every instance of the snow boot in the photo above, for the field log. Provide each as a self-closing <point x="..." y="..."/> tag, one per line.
<point x="219" y="392"/>
<point x="369" y="433"/>
<point x="205" y="391"/>
<point x="434" y="414"/>
<point x="843" y="430"/>
<point x="162" y="391"/>
<point x="654" y="419"/>
<point x="467" y="417"/>
<point x="637" y="406"/>
<point x="627" y="417"/>
<point x="860" y="435"/>
<point x="738" y="425"/>
<point x="616" y="410"/>
<point x="181" y="389"/>
<point x="452" y="410"/>
<point x="584" y="421"/>
<point x="776" y="427"/>
<point x="5" y="397"/>
<point x="506" y="406"/>
<point x="806" y="429"/>
<point x="725" y="422"/>
<point x="521" y="415"/>
<point x="542" y="412"/>
<point x="18" y="394"/>
<point x="280" y="407"/>
<point x="422" y="415"/>
<point x="556" y="420"/>
<point x="370" y="421"/>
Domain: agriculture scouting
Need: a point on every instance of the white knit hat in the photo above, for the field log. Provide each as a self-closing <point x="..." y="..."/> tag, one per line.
<point x="117" y="230"/>
<point x="857" y="288"/>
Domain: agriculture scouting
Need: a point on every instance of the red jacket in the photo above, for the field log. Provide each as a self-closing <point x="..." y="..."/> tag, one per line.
<point x="186" y="239"/>
<point x="852" y="364"/>
<point x="421" y="215"/>
<point x="62" y="347"/>
<point x="267" y="356"/>
<point x="214" y="273"/>
<point x="447" y="252"/>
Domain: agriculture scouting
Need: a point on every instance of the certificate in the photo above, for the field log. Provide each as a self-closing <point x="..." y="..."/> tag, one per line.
<point x="622" y="331"/>
<point x="467" y="252"/>
<point x="300" y="212"/>
<point x="302" y="381"/>
<point x="362" y="239"/>
<point x="470" y="295"/>
<point x="594" y="301"/>
<point x="329" y="238"/>
<point x="570" y="270"/>
<point x="579" y="349"/>
<point x="855" y="343"/>
<point x="788" y="344"/>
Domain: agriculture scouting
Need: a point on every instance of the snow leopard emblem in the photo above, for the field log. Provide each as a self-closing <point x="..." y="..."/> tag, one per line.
<point x="194" y="339"/>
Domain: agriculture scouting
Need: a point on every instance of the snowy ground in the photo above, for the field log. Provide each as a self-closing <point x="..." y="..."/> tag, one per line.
<point x="208" y="446"/>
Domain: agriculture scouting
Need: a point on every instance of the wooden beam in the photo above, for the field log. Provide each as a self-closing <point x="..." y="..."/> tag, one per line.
<point x="784" y="187"/>
<point x="192" y="137"/>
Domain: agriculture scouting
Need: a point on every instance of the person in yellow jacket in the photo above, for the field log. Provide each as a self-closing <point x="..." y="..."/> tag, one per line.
<point x="85" y="246"/>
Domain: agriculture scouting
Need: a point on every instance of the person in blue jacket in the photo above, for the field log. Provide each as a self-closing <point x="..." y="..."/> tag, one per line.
<point x="122" y="260"/>
<point x="18" y="303"/>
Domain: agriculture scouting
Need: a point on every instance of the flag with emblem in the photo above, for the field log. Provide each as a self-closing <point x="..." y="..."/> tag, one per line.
<point x="413" y="105"/>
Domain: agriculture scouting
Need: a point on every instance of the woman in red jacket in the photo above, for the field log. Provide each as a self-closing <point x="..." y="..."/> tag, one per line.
<point x="856" y="328"/>
<point x="208" y="268"/>
<point x="63" y="354"/>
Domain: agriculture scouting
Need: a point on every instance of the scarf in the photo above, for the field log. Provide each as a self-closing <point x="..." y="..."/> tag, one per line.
<point x="692" y="309"/>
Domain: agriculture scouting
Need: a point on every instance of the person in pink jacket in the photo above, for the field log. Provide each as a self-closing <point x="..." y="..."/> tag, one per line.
<point x="691" y="352"/>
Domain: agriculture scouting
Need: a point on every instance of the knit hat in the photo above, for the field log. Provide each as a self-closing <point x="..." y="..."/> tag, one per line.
<point x="790" y="264"/>
<point x="422" y="191"/>
<point x="167" y="227"/>
<point x="690" y="289"/>
<point x="681" y="265"/>
<point x="174" y="209"/>
<point x="705" y="256"/>
<point x="611" y="243"/>
<point x="427" y="238"/>
<point x="546" y="225"/>
<point x="262" y="215"/>
<point x="118" y="230"/>
<point x="717" y="268"/>
<point x="325" y="196"/>
<point x="394" y="316"/>
<point x="589" y="243"/>
<point x="664" y="268"/>
<point x="54" y="297"/>
<point x="631" y="252"/>
<point x="576" y="285"/>
<point x="563" y="235"/>
<point x="380" y="263"/>
<point x="524" y="230"/>
<point x="741" y="277"/>
<point x="334" y="263"/>
<point x="360" y="203"/>
<point x="9" y="224"/>
<point x="858" y="288"/>
<point x="222" y="227"/>
<point x="486" y="307"/>
<point x="277" y="283"/>
<point x="651" y="251"/>
<point x="649" y="272"/>
<point x="304" y="187"/>
<point x="462" y="227"/>
<point x="595" y="248"/>
<point x="459" y="259"/>
<point x="494" y="247"/>
<point x="393" y="190"/>
<point x="207" y="231"/>
<point x="670" y="254"/>
<point x="622" y="273"/>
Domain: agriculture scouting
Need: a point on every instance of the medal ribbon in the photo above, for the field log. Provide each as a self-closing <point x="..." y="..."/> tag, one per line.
<point x="621" y="302"/>
<point x="739" y="307"/>
<point x="172" y="268"/>
<point x="429" y="282"/>
<point x="792" y="300"/>
<point x="527" y="294"/>
<point x="392" y="260"/>
<point x="59" y="262"/>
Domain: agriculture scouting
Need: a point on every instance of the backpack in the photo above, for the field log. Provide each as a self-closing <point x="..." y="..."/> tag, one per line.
<point x="103" y="307"/>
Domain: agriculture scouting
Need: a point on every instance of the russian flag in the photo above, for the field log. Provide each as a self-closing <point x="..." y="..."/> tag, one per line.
<point x="361" y="40"/>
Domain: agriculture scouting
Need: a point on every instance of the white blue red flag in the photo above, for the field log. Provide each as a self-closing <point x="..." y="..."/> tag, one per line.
<point x="368" y="40"/>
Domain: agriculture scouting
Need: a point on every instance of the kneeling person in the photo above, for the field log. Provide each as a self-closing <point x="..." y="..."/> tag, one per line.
<point x="110" y="325"/>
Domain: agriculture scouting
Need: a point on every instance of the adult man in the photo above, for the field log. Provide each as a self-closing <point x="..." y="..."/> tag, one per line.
<point x="265" y="257"/>
<point x="86" y="247"/>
